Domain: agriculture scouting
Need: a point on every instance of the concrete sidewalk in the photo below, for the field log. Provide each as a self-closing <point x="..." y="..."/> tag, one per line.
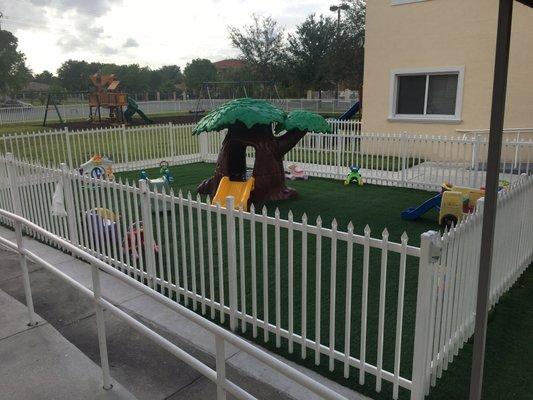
<point x="148" y="371"/>
<point x="39" y="363"/>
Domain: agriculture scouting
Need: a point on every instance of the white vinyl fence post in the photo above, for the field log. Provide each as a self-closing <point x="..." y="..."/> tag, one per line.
<point x="125" y="147"/>
<point x="203" y="145"/>
<point x="429" y="254"/>
<point x="149" y="244"/>
<point x="17" y="209"/>
<point x="475" y="160"/>
<point x="232" y="259"/>
<point x="69" y="147"/>
<point x="403" y="150"/>
<point x="69" y="205"/>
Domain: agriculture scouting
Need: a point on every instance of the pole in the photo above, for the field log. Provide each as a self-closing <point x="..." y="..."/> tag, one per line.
<point x="499" y="88"/>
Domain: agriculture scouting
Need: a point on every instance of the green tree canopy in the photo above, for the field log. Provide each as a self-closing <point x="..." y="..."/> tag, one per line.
<point x="252" y="112"/>
<point x="304" y="121"/>
<point x="310" y="51"/>
<point x="248" y="111"/>
<point x="197" y="72"/>
<point x="261" y="45"/>
<point x="14" y="73"/>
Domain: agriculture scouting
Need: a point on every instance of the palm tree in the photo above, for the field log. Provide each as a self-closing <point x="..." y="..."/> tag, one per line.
<point x="258" y="124"/>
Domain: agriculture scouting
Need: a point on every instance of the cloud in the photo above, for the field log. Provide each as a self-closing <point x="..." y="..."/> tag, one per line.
<point x="95" y="8"/>
<point x="130" y="42"/>
<point x="87" y="36"/>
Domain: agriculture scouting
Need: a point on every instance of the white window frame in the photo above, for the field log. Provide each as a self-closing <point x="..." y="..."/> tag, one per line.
<point x="393" y="100"/>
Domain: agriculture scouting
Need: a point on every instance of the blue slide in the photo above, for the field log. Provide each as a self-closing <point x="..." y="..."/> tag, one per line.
<point x="414" y="213"/>
<point x="351" y="111"/>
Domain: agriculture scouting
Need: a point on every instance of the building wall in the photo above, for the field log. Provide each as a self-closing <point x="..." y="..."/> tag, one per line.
<point x="446" y="33"/>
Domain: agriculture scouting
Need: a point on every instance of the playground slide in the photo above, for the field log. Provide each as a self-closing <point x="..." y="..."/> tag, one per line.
<point x="415" y="213"/>
<point x="134" y="108"/>
<point x="351" y="111"/>
<point x="144" y="116"/>
<point x="239" y="190"/>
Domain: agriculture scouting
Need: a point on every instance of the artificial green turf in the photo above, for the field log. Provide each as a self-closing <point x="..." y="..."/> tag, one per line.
<point x="379" y="207"/>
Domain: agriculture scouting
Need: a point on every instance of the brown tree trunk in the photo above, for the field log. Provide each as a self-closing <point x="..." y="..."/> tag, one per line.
<point x="268" y="170"/>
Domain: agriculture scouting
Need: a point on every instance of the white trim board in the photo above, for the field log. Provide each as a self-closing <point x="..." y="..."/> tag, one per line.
<point x="429" y="118"/>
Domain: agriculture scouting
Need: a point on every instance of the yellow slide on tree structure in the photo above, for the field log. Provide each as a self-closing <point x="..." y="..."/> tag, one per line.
<point x="240" y="190"/>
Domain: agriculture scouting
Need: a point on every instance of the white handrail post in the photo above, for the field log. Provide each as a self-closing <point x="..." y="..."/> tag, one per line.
<point x="232" y="257"/>
<point x="220" y="367"/>
<point x="17" y="209"/>
<point x="100" y="325"/>
<point x="149" y="244"/>
<point x="69" y="205"/>
<point x="125" y="147"/>
<point x="429" y="254"/>
<point x="25" y="275"/>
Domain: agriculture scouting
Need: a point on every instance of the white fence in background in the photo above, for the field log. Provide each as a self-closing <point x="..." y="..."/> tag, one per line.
<point x="70" y="112"/>
<point x="406" y="160"/>
<point x="313" y="287"/>
<point x="130" y="148"/>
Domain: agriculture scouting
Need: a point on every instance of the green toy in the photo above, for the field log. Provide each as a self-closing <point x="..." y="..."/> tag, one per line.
<point x="354" y="176"/>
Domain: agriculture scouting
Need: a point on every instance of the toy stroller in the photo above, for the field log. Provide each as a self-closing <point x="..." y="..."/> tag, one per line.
<point x="295" y="172"/>
<point x="354" y="176"/>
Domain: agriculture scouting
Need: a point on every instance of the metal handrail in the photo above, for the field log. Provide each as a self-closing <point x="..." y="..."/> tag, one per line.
<point x="221" y="335"/>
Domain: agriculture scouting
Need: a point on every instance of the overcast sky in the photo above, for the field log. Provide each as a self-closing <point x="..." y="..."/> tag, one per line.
<point x="151" y="33"/>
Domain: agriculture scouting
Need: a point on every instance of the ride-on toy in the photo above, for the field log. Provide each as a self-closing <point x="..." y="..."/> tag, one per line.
<point x="451" y="203"/>
<point x="295" y="172"/>
<point x="354" y="176"/>
<point x="164" y="181"/>
<point x="97" y="167"/>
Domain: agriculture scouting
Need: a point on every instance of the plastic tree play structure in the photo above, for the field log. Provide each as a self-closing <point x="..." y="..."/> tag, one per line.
<point x="253" y="123"/>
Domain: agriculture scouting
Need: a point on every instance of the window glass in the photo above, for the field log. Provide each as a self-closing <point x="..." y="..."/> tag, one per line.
<point x="411" y="94"/>
<point x="442" y="94"/>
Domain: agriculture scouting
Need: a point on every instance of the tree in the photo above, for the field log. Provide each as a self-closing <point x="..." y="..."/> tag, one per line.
<point x="249" y="123"/>
<point x="74" y="75"/>
<point x="13" y="70"/>
<point x="165" y="78"/>
<point x="261" y="45"/>
<point x="354" y="26"/>
<point x="198" y="71"/>
<point x="309" y="52"/>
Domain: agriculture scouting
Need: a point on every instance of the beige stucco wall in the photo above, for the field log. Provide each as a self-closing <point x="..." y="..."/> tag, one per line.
<point x="446" y="33"/>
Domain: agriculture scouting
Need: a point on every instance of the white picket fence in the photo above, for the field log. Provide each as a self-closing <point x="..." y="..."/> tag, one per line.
<point x="406" y="160"/>
<point x="130" y="148"/>
<point x="327" y="293"/>
<point x="449" y="284"/>
<point x="70" y="112"/>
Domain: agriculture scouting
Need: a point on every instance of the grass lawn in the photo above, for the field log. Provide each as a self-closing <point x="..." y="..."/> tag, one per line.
<point x="379" y="207"/>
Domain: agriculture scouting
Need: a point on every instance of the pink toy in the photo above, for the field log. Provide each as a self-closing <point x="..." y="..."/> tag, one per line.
<point x="295" y="172"/>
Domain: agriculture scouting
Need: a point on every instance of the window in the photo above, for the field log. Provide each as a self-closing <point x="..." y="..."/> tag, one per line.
<point x="434" y="95"/>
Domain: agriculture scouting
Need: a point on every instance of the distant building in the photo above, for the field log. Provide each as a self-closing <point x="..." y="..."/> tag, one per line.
<point x="35" y="87"/>
<point x="229" y="64"/>
<point x="429" y="66"/>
